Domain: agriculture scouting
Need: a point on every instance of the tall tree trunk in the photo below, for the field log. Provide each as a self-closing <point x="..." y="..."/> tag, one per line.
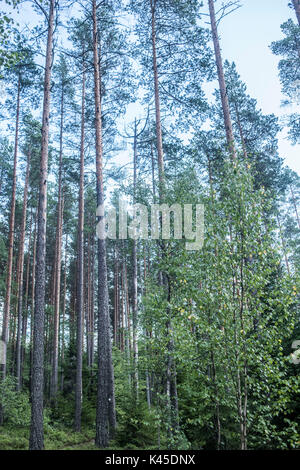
<point x="80" y="267"/>
<point x="135" y="275"/>
<point x="157" y="102"/>
<point x="57" y="272"/>
<point x="25" y="316"/>
<point x="240" y="130"/>
<point x="116" y="297"/>
<point x="36" y="441"/>
<point x="88" y="304"/>
<point x="153" y="171"/>
<point x="33" y="269"/>
<point x="6" y="312"/>
<point x="171" y="385"/>
<point x="62" y="356"/>
<point x="296" y="4"/>
<point x="221" y="78"/>
<point x="21" y="268"/>
<point x="105" y="415"/>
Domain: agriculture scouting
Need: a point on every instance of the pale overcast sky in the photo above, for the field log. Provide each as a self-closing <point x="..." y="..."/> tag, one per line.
<point x="245" y="36"/>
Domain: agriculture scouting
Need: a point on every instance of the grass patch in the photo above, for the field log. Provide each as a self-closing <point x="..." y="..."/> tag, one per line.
<point x="17" y="438"/>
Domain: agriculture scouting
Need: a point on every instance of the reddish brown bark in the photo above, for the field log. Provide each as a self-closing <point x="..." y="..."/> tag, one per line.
<point x="57" y="272"/>
<point x="221" y="78"/>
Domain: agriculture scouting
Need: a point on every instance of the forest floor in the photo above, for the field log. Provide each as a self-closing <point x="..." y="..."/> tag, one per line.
<point x="16" y="438"/>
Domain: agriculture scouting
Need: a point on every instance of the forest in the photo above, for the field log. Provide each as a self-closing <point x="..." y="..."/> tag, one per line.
<point x="119" y="330"/>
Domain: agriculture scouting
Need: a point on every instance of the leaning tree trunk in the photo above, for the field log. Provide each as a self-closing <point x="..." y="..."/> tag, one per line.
<point x="221" y="78"/>
<point x="80" y="265"/>
<point x="36" y="441"/>
<point x="105" y="415"/>
<point x="20" y="283"/>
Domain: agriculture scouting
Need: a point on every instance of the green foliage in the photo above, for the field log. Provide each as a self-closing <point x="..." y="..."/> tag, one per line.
<point x="137" y="427"/>
<point x="15" y="404"/>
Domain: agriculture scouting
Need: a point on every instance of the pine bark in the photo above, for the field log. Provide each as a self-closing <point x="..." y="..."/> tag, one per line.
<point x="80" y="267"/>
<point x="20" y="275"/>
<point x="36" y="441"/>
<point x="105" y="414"/>
<point x="57" y="271"/>
<point x="221" y="78"/>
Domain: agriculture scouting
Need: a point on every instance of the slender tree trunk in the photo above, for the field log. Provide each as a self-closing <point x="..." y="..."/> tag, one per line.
<point x="241" y="131"/>
<point x="148" y="378"/>
<point x="62" y="358"/>
<point x="80" y="267"/>
<point x="36" y="441"/>
<point x="92" y="313"/>
<point x="153" y="171"/>
<point x="116" y="297"/>
<point x="221" y="78"/>
<point x="122" y="309"/>
<point x="32" y="299"/>
<point x="135" y="275"/>
<point x="88" y="304"/>
<point x="171" y="385"/>
<point x="21" y="268"/>
<point x="105" y="415"/>
<point x="157" y="102"/>
<point x="57" y="274"/>
<point x="6" y="313"/>
<point x="296" y="4"/>
<point x="295" y="206"/>
<point x="25" y="316"/>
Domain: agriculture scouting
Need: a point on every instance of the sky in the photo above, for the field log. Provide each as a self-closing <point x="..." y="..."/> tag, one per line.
<point x="245" y="36"/>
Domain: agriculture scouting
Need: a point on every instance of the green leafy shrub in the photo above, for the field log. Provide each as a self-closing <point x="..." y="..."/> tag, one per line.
<point x="15" y="404"/>
<point x="137" y="427"/>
